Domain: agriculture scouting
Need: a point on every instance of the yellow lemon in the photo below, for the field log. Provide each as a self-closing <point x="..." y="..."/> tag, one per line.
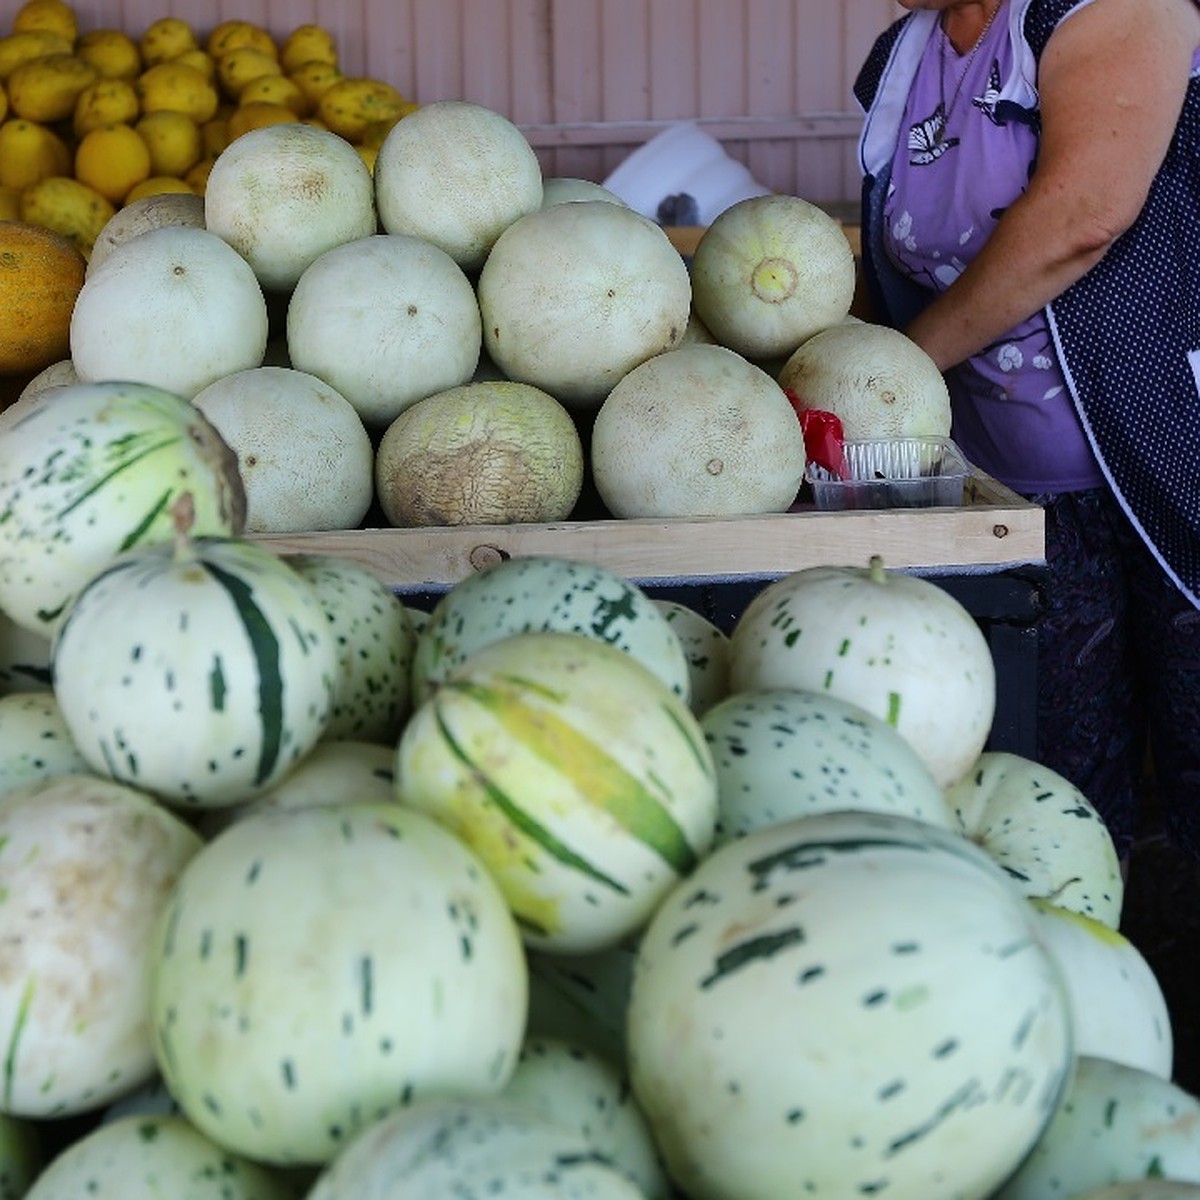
<point x="307" y="43"/>
<point x="276" y="89"/>
<point x="10" y="204"/>
<point x="201" y="60"/>
<point x="197" y="177"/>
<point x="255" y="115"/>
<point x="29" y="152"/>
<point x="157" y="185"/>
<point x="180" y="88"/>
<point x="17" y="48"/>
<point x="112" y="159"/>
<point x="376" y="131"/>
<point x="234" y="34"/>
<point x="315" y="78"/>
<point x="46" y="89"/>
<point x="368" y="154"/>
<point x="69" y="207"/>
<point x="103" y="102"/>
<point x="214" y="135"/>
<point x="166" y="38"/>
<point x="174" y="141"/>
<point x="113" y="53"/>
<point x="50" y="16"/>
<point x="236" y="68"/>
<point x="351" y="105"/>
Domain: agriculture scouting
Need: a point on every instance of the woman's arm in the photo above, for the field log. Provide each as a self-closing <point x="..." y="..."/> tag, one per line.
<point x="1112" y="81"/>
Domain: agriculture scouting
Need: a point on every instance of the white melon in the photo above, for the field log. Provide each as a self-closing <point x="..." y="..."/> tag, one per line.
<point x="574" y="296"/>
<point x="697" y="432"/>
<point x="283" y="194"/>
<point x="304" y="455"/>
<point x="769" y="272"/>
<point x="142" y="215"/>
<point x="878" y="381"/>
<point x="176" y="308"/>
<point x="386" y="320"/>
<point x="456" y="174"/>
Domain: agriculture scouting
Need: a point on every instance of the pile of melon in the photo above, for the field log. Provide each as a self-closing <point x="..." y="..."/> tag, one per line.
<point x="446" y="337"/>
<point x="554" y="889"/>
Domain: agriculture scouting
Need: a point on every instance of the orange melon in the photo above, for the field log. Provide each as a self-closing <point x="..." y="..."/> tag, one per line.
<point x="41" y="273"/>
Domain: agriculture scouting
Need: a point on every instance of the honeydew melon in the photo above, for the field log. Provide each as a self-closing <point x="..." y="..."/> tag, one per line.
<point x="575" y="296"/>
<point x="175" y="308"/>
<point x="35" y="742"/>
<point x="875" y="379"/>
<point x="696" y="432"/>
<point x="304" y="455"/>
<point x="456" y="174"/>
<point x="771" y="271"/>
<point x="386" y="320"/>
<point x="706" y="647"/>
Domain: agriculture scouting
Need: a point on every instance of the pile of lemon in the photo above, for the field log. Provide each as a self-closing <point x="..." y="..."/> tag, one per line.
<point x="91" y="121"/>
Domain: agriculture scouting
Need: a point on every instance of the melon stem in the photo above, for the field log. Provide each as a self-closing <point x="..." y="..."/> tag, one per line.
<point x="876" y="569"/>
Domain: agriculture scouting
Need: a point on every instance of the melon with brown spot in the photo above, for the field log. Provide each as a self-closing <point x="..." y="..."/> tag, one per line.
<point x="283" y="194"/>
<point x="697" y="432"/>
<point x="483" y="453"/>
<point x="87" y="865"/>
<point x="878" y="381"/>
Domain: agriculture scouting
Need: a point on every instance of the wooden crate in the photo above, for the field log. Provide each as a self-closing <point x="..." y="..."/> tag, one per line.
<point x="994" y="529"/>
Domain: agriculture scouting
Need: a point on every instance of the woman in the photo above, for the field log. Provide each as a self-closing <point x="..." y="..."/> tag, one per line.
<point x="1031" y="218"/>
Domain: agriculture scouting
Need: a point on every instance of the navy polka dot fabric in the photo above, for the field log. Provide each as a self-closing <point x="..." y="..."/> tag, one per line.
<point x="1130" y="335"/>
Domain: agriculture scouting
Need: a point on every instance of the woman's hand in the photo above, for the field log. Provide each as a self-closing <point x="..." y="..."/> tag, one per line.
<point x="1111" y="82"/>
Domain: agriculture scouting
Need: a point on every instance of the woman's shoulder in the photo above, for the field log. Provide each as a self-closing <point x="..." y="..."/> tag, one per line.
<point x="1042" y="17"/>
<point x="866" y="84"/>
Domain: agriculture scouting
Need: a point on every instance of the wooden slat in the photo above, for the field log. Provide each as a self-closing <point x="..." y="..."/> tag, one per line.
<point x="993" y="530"/>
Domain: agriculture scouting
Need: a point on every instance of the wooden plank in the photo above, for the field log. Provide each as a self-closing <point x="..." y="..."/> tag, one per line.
<point x="975" y="536"/>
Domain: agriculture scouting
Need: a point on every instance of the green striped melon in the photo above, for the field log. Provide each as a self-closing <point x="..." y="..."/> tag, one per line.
<point x="1043" y="831"/>
<point x="706" y="648"/>
<point x="151" y="1157"/>
<point x="576" y="774"/>
<point x="24" y="657"/>
<point x="93" y="472"/>
<point x="471" y="1148"/>
<point x="573" y="1084"/>
<point x="1115" y="1123"/>
<point x="219" y="686"/>
<point x="895" y="644"/>
<point x="35" y="742"/>
<point x="846" y="1004"/>
<point x="85" y="867"/>
<point x="547" y="592"/>
<point x="20" y="1156"/>
<point x="1118" y="1009"/>
<point x="316" y="968"/>
<point x="781" y="754"/>
<point x="375" y="646"/>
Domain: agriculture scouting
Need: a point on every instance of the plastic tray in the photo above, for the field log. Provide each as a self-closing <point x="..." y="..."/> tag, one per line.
<point x="924" y="472"/>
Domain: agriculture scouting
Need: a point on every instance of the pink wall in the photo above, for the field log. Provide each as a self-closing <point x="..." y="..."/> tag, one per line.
<point x="589" y="80"/>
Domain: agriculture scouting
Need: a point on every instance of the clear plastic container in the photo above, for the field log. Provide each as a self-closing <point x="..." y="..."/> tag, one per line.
<point x="919" y="472"/>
